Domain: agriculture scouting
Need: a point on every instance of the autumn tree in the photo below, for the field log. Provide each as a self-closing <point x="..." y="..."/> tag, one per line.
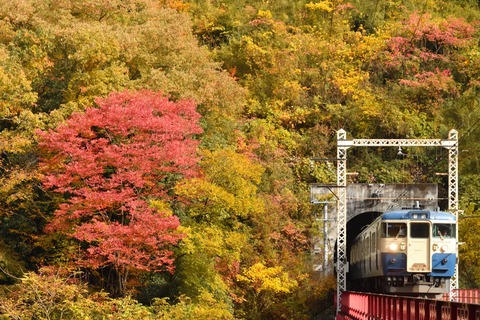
<point x="111" y="163"/>
<point x="217" y="208"/>
<point x="262" y="285"/>
<point x="57" y="57"/>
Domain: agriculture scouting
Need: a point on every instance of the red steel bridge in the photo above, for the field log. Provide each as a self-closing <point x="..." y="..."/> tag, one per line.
<point x="464" y="304"/>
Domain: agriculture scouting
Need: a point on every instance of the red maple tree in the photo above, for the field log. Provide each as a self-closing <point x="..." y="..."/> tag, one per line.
<point x="109" y="163"/>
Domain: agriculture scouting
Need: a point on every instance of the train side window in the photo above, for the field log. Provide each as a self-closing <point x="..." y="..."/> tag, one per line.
<point x="394" y="230"/>
<point x="444" y="230"/>
<point x="419" y="230"/>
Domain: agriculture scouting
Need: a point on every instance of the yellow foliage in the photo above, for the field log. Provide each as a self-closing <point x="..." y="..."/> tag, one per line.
<point x="271" y="279"/>
<point x="209" y="240"/>
<point x="214" y="242"/>
<point x="178" y="5"/>
<point x="162" y="206"/>
<point x="350" y="82"/>
<point x="209" y="201"/>
<point x="234" y="242"/>
<point x="326" y="6"/>
<point x="51" y="294"/>
<point x="292" y="90"/>
<point x="368" y="47"/>
<point x="238" y="175"/>
<point x="251" y="48"/>
<point x="206" y="308"/>
<point x="265" y="14"/>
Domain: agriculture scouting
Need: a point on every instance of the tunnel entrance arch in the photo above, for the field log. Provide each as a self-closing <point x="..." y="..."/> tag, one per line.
<point x="362" y="199"/>
<point x="357" y="224"/>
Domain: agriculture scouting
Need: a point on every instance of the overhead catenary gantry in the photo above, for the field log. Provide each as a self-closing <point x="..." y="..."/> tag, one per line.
<point x="343" y="144"/>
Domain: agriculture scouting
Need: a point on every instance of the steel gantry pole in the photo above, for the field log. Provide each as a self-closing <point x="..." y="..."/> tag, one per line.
<point x="341" y="265"/>
<point x="453" y="197"/>
<point x="342" y="145"/>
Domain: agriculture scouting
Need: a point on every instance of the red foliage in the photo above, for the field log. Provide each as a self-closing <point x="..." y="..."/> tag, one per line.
<point x="423" y="58"/>
<point x="138" y="245"/>
<point x="449" y="32"/>
<point x="295" y="238"/>
<point x="436" y="83"/>
<point x="108" y="163"/>
<point x="291" y="239"/>
<point x="423" y="39"/>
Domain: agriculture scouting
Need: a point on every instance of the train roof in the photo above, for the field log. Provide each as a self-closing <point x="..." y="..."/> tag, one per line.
<point x="410" y="214"/>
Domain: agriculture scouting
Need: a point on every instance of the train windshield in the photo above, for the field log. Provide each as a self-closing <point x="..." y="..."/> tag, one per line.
<point x="394" y="230"/>
<point x="420" y="230"/>
<point x="444" y="230"/>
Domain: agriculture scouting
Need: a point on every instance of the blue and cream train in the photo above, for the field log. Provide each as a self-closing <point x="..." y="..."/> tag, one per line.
<point x="410" y="252"/>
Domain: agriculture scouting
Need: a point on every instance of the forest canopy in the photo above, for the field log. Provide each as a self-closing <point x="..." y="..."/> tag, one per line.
<point x="156" y="155"/>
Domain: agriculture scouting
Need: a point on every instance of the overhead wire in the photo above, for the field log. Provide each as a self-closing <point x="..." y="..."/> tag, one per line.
<point x="469" y="131"/>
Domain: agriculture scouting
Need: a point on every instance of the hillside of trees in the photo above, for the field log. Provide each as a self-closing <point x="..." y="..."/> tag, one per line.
<point x="156" y="154"/>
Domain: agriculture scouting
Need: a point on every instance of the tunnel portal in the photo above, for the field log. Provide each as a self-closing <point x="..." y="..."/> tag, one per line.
<point x="365" y="202"/>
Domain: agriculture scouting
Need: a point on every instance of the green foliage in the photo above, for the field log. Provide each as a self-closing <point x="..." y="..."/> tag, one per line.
<point x="469" y="224"/>
<point x="207" y="258"/>
<point x="11" y="265"/>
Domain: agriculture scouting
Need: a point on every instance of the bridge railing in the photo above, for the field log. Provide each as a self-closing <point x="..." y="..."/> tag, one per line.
<point x="464" y="295"/>
<point x="357" y="305"/>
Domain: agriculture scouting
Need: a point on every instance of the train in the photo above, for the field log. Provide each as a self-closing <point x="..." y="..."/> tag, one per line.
<point x="405" y="252"/>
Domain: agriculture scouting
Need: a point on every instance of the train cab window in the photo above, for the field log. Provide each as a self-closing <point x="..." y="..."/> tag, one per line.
<point x="419" y="230"/>
<point x="394" y="230"/>
<point x="443" y="230"/>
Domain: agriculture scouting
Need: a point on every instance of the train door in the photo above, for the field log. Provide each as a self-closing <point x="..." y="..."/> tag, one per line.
<point x="418" y="249"/>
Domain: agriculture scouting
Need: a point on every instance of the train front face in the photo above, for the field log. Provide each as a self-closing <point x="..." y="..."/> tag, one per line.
<point x="418" y="251"/>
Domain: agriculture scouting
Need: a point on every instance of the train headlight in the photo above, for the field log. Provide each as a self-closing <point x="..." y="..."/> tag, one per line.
<point x="415" y="216"/>
<point x="393" y="246"/>
<point x="444" y="248"/>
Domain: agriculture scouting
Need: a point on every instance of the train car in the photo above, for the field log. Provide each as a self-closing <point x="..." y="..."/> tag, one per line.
<point x="407" y="252"/>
